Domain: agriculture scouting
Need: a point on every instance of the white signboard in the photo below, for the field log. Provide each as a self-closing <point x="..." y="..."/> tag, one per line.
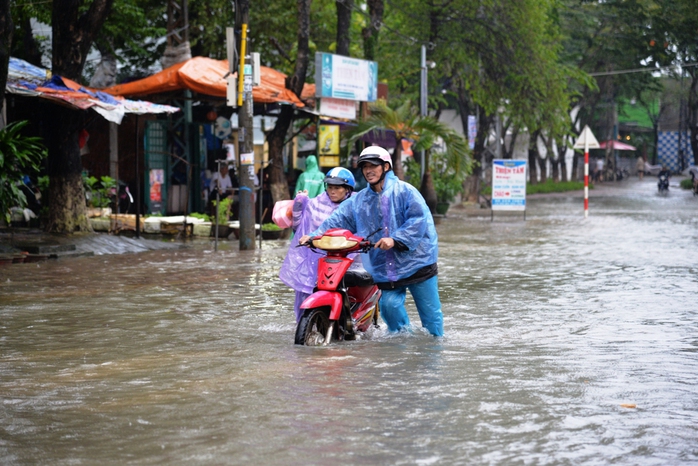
<point x="338" y="108"/>
<point x="345" y="78"/>
<point x="509" y="185"/>
<point x="247" y="158"/>
<point x="472" y="131"/>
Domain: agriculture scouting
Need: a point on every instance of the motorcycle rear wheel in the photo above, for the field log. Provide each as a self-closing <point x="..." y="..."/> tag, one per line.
<point x="312" y="328"/>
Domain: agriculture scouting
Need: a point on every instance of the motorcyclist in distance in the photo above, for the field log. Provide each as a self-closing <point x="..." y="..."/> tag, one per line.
<point x="663" y="178"/>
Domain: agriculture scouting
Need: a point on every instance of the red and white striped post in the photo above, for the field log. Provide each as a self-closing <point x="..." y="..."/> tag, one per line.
<point x="586" y="141"/>
<point x="586" y="179"/>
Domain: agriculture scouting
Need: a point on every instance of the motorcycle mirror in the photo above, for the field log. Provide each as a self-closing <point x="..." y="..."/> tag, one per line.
<point x="374" y="232"/>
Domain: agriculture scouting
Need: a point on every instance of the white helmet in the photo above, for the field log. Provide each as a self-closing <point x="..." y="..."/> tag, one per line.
<point x="375" y="155"/>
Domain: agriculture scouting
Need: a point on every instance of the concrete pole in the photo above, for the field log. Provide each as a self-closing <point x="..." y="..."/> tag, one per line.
<point x="246" y="138"/>
<point x="586" y="178"/>
<point x="423" y="99"/>
<point x="498" y="128"/>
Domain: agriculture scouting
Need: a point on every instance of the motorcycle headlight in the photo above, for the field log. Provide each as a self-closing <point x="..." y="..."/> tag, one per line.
<point x="333" y="243"/>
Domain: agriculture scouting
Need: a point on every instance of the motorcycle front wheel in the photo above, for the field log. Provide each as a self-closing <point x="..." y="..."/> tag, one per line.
<point x="312" y="328"/>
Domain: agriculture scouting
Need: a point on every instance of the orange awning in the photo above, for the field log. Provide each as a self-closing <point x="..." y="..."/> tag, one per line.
<point x="206" y="76"/>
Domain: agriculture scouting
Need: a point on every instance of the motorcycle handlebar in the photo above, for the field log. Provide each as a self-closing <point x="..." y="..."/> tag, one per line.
<point x="365" y="245"/>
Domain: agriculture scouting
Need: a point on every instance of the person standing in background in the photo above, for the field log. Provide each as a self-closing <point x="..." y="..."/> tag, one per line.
<point x="358" y="175"/>
<point x="312" y="180"/>
<point x="598" y="174"/>
<point x="640" y="166"/>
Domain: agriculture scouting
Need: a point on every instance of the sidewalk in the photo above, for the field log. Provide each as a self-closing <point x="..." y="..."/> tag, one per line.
<point x="602" y="189"/>
<point x="38" y="243"/>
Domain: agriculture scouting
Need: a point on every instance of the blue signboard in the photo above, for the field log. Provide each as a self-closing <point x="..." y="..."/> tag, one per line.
<point x="347" y="78"/>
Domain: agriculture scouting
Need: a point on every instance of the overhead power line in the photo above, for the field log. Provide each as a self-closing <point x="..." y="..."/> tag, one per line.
<point x="642" y="70"/>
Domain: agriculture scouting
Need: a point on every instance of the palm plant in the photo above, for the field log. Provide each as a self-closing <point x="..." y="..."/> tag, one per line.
<point x="427" y="133"/>
<point x="19" y="156"/>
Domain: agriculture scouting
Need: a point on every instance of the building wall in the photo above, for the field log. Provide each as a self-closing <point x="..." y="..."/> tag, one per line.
<point x="669" y="148"/>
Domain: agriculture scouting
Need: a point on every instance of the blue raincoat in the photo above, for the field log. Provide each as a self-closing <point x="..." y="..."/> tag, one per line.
<point x="399" y="212"/>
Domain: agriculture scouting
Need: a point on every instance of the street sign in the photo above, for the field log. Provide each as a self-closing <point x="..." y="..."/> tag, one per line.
<point x="472" y="131"/>
<point x="347" y="78"/>
<point x="509" y="185"/>
<point x="586" y="140"/>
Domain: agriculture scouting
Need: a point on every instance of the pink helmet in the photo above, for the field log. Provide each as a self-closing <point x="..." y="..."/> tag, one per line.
<point x="375" y="155"/>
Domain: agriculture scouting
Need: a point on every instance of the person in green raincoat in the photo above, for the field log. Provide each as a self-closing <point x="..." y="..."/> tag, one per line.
<point x="312" y="179"/>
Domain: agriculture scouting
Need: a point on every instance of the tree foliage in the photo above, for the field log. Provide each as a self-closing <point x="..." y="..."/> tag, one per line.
<point x="529" y="61"/>
<point x="19" y="156"/>
<point x="675" y="40"/>
<point x="404" y="122"/>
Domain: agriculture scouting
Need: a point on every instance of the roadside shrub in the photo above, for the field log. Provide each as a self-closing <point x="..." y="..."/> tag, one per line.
<point x="19" y="156"/>
<point x="203" y="217"/>
<point x="271" y="227"/>
<point x="549" y="186"/>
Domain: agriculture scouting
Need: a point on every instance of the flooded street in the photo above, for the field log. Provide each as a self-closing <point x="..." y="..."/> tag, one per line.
<point x="568" y="341"/>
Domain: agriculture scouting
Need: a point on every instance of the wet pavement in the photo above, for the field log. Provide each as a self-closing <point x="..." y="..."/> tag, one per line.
<point x="568" y="341"/>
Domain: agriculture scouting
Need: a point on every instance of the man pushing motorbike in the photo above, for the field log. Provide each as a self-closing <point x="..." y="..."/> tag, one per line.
<point x="405" y="257"/>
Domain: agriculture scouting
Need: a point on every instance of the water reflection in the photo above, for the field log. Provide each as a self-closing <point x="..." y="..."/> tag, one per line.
<point x="186" y="356"/>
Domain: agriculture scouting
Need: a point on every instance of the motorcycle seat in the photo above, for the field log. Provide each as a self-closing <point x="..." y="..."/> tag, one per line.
<point x="357" y="278"/>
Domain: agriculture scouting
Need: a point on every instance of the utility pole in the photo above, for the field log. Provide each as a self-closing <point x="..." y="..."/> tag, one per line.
<point x="423" y="101"/>
<point x="245" y="136"/>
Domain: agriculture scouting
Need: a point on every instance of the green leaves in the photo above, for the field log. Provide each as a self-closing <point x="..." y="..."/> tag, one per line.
<point x="99" y="192"/>
<point x="448" y="150"/>
<point x="19" y="156"/>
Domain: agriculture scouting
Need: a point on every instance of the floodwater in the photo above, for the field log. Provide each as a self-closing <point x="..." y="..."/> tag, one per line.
<point x="568" y="341"/>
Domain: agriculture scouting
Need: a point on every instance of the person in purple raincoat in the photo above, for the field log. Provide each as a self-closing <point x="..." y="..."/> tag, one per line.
<point x="299" y="270"/>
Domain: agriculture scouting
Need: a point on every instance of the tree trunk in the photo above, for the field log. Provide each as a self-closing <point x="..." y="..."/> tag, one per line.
<point x="344" y="8"/>
<point x="655" y="128"/>
<point x="6" y="28"/>
<point x="73" y="35"/>
<point x="543" y="165"/>
<point x="533" y="157"/>
<point x="471" y="185"/>
<point x="397" y="160"/>
<point x="575" y="167"/>
<point x="428" y="192"/>
<point x="427" y="188"/>
<point x="32" y="53"/>
<point x="370" y="32"/>
<point x="693" y="115"/>
<point x="553" y="162"/>
<point x="105" y="73"/>
<point x="562" y="158"/>
<point x="509" y="153"/>
<point x="66" y="192"/>
<point x="278" y="184"/>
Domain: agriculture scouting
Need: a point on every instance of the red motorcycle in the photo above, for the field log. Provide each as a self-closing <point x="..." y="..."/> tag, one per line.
<point x="344" y="303"/>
